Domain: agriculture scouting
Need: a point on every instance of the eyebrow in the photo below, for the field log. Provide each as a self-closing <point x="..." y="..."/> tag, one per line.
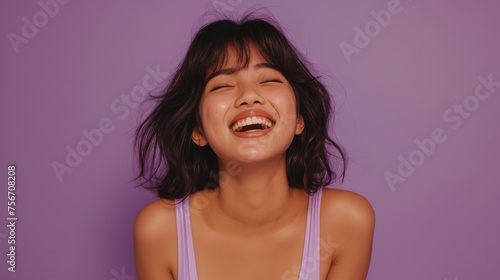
<point x="229" y="71"/>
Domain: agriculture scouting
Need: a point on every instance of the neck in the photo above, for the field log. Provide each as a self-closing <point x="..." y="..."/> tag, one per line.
<point x="256" y="197"/>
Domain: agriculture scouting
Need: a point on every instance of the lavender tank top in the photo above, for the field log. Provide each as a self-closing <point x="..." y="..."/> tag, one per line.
<point x="309" y="269"/>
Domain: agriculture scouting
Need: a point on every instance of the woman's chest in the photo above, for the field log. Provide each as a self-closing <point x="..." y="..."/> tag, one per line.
<point x="281" y="254"/>
<point x="240" y="257"/>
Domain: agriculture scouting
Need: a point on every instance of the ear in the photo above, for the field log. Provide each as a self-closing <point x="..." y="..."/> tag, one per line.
<point x="300" y="125"/>
<point x="198" y="137"/>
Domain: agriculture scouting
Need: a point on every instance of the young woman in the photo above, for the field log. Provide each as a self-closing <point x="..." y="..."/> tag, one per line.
<point x="237" y="152"/>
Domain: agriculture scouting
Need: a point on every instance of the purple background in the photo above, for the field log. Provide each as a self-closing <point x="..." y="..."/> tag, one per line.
<point x="440" y="223"/>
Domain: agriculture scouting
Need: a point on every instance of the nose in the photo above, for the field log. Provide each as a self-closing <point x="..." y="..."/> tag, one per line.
<point x="249" y="96"/>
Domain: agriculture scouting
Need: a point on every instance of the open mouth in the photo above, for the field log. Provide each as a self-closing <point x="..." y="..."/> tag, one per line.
<point x="251" y="124"/>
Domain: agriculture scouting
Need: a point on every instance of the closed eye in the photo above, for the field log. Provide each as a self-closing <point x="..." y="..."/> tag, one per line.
<point x="219" y="87"/>
<point x="272" y="80"/>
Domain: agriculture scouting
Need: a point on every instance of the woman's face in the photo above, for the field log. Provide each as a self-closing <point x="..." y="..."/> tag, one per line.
<point x="248" y="115"/>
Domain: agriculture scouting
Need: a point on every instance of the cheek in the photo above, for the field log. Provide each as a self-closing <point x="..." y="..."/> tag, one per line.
<point x="212" y="111"/>
<point x="284" y="101"/>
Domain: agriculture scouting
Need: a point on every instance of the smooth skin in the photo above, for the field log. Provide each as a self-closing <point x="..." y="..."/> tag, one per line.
<point x="253" y="226"/>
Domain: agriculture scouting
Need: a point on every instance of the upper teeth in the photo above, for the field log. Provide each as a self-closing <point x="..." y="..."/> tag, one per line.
<point x="266" y="123"/>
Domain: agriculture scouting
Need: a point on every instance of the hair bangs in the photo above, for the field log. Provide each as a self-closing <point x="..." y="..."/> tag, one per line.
<point x="237" y="51"/>
<point x="218" y="43"/>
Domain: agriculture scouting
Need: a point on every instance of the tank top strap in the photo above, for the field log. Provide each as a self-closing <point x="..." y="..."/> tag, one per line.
<point x="310" y="267"/>
<point x="185" y="251"/>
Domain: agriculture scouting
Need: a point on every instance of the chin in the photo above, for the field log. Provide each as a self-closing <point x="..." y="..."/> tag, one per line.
<point x="249" y="154"/>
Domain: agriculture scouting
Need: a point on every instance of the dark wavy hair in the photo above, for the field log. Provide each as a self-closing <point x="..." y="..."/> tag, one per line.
<point x="173" y="166"/>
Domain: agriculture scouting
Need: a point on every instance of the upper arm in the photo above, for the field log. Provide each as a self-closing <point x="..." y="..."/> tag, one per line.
<point x="354" y="221"/>
<point x="155" y="241"/>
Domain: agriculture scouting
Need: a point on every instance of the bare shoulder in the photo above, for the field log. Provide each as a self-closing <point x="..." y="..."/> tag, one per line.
<point x="155" y="216"/>
<point x="349" y="219"/>
<point x="347" y="206"/>
<point x="155" y="240"/>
